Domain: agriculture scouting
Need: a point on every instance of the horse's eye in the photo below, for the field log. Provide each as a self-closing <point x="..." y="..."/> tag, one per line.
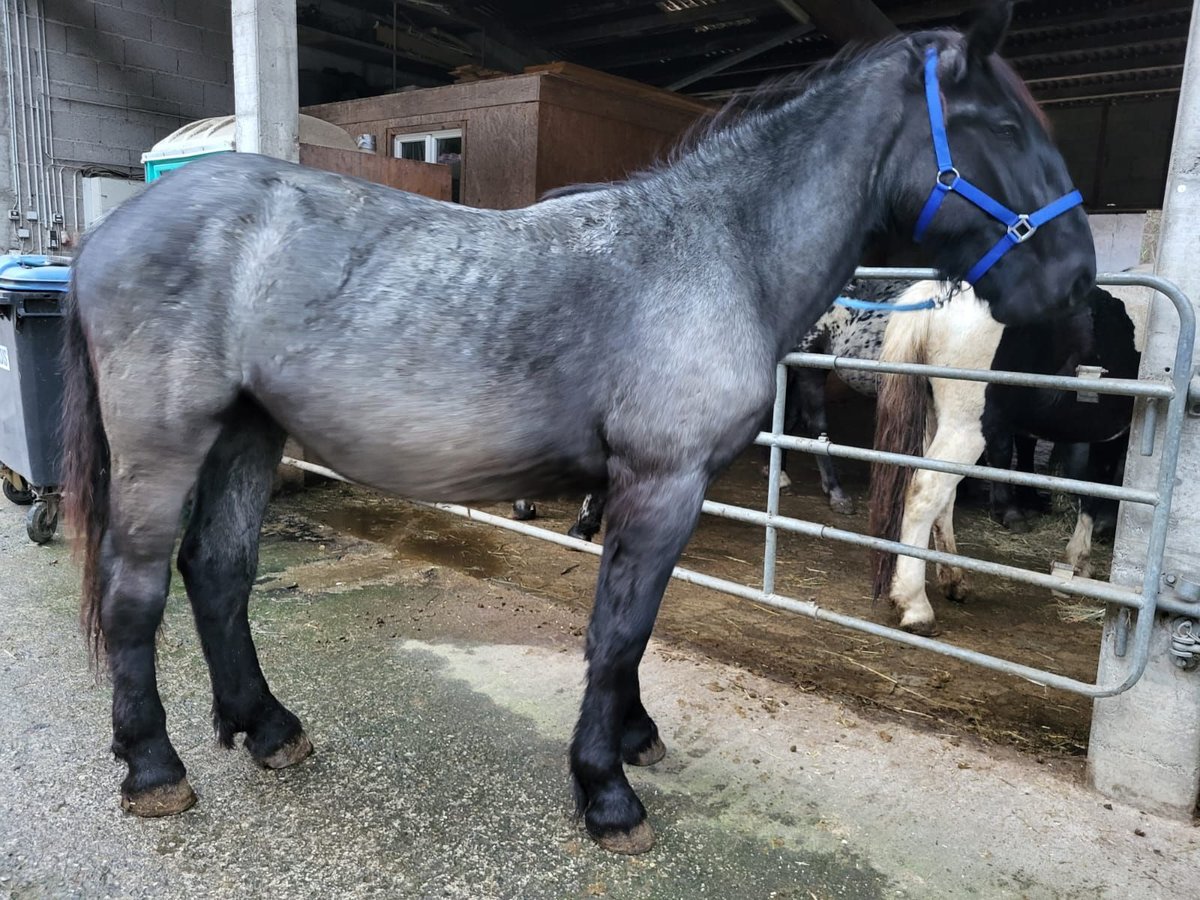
<point x="1006" y="130"/>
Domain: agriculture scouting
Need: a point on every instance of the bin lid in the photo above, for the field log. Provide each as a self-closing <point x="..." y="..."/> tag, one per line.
<point x="35" y="273"/>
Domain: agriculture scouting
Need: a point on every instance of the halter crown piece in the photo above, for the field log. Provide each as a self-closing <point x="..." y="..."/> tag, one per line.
<point x="1021" y="227"/>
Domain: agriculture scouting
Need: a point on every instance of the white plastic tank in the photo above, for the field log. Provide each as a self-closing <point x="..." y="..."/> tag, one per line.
<point x="216" y="135"/>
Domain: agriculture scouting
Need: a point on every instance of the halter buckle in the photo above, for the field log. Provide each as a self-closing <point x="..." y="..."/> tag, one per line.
<point x="1021" y="230"/>
<point x="947" y="178"/>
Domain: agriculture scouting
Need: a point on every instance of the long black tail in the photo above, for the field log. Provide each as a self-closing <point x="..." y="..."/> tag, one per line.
<point x="85" y="484"/>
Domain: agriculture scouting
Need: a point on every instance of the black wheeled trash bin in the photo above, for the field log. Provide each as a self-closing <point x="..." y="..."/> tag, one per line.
<point x="33" y="290"/>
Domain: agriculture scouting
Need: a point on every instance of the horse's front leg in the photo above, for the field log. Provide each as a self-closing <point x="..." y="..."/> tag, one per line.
<point x="650" y="521"/>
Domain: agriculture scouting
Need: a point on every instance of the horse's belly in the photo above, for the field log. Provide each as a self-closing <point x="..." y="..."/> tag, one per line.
<point x="468" y="452"/>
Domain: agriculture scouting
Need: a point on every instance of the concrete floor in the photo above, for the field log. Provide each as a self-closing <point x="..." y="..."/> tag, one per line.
<point x="440" y="707"/>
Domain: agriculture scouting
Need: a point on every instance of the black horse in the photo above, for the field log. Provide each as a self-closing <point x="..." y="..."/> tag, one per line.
<point x="624" y="339"/>
<point x="1094" y="432"/>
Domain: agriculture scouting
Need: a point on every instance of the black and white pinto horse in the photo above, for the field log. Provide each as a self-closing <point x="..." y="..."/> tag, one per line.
<point x="958" y="421"/>
<point x="622" y="339"/>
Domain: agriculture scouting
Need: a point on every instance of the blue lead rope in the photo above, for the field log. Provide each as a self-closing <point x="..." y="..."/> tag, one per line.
<point x="1020" y="227"/>
<point x="873" y="306"/>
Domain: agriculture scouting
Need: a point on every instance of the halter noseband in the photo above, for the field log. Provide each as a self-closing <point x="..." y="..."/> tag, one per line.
<point x="1021" y="227"/>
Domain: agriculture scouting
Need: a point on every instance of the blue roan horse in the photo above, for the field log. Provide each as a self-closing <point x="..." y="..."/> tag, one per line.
<point x="622" y="339"/>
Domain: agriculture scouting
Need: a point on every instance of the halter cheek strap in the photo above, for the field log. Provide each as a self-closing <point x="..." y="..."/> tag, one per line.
<point x="1020" y="227"/>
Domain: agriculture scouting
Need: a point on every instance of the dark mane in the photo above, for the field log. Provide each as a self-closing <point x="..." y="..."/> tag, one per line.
<point x="782" y="89"/>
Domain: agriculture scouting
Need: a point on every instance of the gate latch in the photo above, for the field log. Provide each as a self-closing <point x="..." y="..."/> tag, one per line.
<point x="1088" y="372"/>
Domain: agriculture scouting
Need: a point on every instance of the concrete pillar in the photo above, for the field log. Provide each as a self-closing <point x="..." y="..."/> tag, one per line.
<point x="1145" y="743"/>
<point x="266" y="80"/>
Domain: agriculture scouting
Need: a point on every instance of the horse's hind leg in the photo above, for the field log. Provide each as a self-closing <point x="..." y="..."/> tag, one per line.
<point x="650" y="521"/>
<point x="952" y="579"/>
<point x="149" y="483"/>
<point x="219" y="560"/>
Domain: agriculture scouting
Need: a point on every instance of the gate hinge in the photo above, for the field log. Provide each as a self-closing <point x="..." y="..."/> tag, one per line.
<point x="1193" y="397"/>
<point x="1185" y="643"/>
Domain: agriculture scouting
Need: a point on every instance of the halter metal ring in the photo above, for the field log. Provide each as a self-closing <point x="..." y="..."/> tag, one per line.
<point x="1021" y="230"/>
<point x="946" y="178"/>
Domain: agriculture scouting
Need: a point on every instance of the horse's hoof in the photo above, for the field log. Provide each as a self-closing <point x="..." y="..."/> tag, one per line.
<point x="638" y="839"/>
<point x="652" y="754"/>
<point x="843" y="505"/>
<point x="164" y="800"/>
<point x="524" y="510"/>
<point x="959" y="593"/>
<point x="924" y="627"/>
<point x="579" y="534"/>
<point x="784" y="480"/>
<point x="296" y="750"/>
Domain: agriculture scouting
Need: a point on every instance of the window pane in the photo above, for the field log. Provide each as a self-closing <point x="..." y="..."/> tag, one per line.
<point x="411" y="150"/>
<point x="449" y="149"/>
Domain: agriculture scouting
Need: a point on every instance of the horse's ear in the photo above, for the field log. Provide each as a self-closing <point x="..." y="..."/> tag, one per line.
<point x="987" y="27"/>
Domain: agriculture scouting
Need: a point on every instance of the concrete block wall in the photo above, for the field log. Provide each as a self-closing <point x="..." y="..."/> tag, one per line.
<point x="119" y="76"/>
<point x="125" y="73"/>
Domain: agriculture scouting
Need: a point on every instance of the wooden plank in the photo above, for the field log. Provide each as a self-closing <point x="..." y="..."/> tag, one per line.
<point x="606" y="104"/>
<point x="616" y="84"/>
<point x="440" y="100"/>
<point x="500" y="151"/>
<point x="427" y="179"/>
<point x="576" y="146"/>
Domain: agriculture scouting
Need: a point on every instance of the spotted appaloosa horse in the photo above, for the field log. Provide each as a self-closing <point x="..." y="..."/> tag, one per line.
<point x="623" y="339"/>
<point x="958" y="420"/>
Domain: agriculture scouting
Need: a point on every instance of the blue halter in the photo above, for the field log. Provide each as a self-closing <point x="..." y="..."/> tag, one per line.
<point x="1021" y="227"/>
<point x="883" y="306"/>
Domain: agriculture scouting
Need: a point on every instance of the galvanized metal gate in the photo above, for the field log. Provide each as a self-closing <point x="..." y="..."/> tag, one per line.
<point x="1173" y="392"/>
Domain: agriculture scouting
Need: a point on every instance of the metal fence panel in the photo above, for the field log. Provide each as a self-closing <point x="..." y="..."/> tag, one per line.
<point x="1146" y="601"/>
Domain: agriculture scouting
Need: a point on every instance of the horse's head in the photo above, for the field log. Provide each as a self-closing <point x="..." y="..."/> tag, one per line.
<point x="969" y="121"/>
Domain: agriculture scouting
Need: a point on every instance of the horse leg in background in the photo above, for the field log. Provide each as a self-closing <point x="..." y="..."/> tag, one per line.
<point x="524" y="510"/>
<point x="951" y="579"/>
<point x="219" y="559"/>
<point x="650" y="520"/>
<point x="957" y="436"/>
<point x="1028" y="500"/>
<point x="809" y="391"/>
<point x="591" y="512"/>
<point x="1105" y="465"/>
<point x="149" y="483"/>
<point x="1004" y="509"/>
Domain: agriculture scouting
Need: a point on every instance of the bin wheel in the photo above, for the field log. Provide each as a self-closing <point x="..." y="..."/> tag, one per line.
<point x="41" y="522"/>
<point x="19" y="496"/>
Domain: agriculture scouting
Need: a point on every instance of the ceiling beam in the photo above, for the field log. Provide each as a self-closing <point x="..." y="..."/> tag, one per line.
<point x="495" y="43"/>
<point x="798" y="30"/>
<point x="679" y="52"/>
<point x="1161" y="84"/>
<point x="684" y="19"/>
<point x="843" y="20"/>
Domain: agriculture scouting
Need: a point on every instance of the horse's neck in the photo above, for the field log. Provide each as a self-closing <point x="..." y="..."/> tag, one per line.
<point x="806" y="196"/>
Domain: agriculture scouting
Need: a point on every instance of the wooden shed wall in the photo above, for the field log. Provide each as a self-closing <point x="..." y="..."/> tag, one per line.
<point x="588" y="133"/>
<point x="405" y="174"/>
<point x="498" y="119"/>
<point x="525" y="134"/>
